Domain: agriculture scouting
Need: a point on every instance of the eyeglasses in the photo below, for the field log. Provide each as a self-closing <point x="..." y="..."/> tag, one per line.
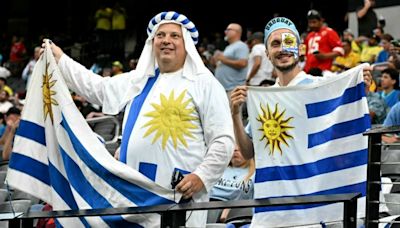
<point x="230" y="29"/>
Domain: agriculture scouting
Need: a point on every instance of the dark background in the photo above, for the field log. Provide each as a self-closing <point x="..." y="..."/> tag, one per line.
<point x="73" y="20"/>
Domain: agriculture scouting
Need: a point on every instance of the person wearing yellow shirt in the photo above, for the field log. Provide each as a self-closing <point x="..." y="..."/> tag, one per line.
<point x="348" y="60"/>
<point x="371" y="51"/>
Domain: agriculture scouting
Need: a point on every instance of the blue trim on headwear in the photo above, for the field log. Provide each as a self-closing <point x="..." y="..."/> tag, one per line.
<point x="163" y="15"/>
<point x="193" y="29"/>
<point x="153" y="21"/>
<point x="175" y="17"/>
<point x="186" y="21"/>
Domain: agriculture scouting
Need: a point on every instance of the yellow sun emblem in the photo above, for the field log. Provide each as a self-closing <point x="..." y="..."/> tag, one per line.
<point x="48" y="93"/>
<point x="274" y="128"/>
<point x="171" y="119"/>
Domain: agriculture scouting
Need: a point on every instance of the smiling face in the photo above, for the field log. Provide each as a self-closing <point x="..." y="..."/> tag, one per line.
<point x="282" y="60"/>
<point x="169" y="47"/>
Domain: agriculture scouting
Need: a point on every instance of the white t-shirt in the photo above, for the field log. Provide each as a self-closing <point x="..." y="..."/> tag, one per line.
<point x="266" y="68"/>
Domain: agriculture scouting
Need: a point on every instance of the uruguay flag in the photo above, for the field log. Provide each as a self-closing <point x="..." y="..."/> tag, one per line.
<point x="308" y="141"/>
<point x="57" y="158"/>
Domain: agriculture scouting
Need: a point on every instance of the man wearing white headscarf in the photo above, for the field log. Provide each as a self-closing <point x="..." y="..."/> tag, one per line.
<point x="177" y="115"/>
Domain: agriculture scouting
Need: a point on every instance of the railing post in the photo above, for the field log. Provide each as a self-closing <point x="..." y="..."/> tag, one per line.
<point x="373" y="177"/>
<point x="350" y="213"/>
<point x="173" y="219"/>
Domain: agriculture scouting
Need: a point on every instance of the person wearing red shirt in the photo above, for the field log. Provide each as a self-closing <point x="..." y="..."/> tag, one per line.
<point x="323" y="43"/>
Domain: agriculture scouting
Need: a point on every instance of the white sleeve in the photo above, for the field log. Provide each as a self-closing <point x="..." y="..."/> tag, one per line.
<point x="108" y="92"/>
<point x="218" y="132"/>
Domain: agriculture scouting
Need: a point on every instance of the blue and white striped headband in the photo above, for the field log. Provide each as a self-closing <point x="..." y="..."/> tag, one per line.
<point x="177" y="17"/>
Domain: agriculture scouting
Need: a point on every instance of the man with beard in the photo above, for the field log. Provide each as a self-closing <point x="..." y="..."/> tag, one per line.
<point x="282" y="48"/>
<point x="323" y="44"/>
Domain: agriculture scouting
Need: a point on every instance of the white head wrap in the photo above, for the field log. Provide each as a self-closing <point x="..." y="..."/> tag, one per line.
<point x="147" y="64"/>
<point x="193" y="64"/>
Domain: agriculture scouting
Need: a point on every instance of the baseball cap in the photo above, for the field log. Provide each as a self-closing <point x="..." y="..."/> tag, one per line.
<point x="280" y="23"/>
<point x="314" y="14"/>
<point x="117" y="64"/>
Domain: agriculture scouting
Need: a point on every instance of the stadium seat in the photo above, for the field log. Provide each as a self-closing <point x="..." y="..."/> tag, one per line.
<point x="108" y="127"/>
<point x="18" y="195"/>
<point x="3" y="195"/>
<point x="3" y="175"/>
<point x="393" y="203"/>
<point x="17" y="206"/>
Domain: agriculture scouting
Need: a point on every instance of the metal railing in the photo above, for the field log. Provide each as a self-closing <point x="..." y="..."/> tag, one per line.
<point x="174" y="215"/>
<point x="374" y="173"/>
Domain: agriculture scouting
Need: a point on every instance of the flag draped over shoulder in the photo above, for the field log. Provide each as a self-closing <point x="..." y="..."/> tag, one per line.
<point x="57" y="158"/>
<point x="308" y="141"/>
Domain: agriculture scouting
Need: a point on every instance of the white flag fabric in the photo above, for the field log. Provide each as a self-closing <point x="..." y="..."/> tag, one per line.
<point x="308" y="141"/>
<point x="57" y="158"/>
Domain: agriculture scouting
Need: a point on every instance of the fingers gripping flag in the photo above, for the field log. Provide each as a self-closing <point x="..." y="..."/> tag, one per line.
<point x="57" y="158"/>
<point x="308" y="141"/>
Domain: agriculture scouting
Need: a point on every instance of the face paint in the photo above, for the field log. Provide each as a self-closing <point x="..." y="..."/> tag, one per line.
<point x="289" y="44"/>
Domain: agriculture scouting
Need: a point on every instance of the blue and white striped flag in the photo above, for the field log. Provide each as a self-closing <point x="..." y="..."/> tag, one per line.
<point x="308" y="141"/>
<point x="57" y="158"/>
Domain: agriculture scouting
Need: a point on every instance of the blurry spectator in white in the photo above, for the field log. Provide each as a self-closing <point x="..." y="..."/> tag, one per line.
<point x="4" y="72"/>
<point x="260" y="67"/>
<point x="237" y="183"/>
<point x="5" y="103"/>
<point x="27" y="72"/>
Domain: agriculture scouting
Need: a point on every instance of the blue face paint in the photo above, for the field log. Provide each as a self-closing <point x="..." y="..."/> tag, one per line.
<point x="289" y="44"/>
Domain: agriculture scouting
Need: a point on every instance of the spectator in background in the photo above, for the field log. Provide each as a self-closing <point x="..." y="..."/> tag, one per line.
<point x="383" y="55"/>
<point x="117" y="68"/>
<point x="5" y="87"/>
<point x="5" y="103"/>
<point x="17" y="55"/>
<point x="103" y="17"/>
<point x="260" y="67"/>
<point x="392" y="119"/>
<point x="133" y="64"/>
<point x="348" y="35"/>
<point x="237" y="183"/>
<point x="27" y="72"/>
<point x="231" y="65"/>
<point x="348" y="60"/>
<point x="370" y="51"/>
<point x="118" y="27"/>
<point x="377" y="106"/>
<point x="390" y="86"/>
<point x="12" y="118"/>
<point x="323" y="43"/>
<point x="367" y="19"/>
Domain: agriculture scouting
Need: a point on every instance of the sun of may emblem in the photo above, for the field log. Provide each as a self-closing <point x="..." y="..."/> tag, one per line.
<point x="274" y="128"/>
<point x="48" y="93"/>
<point x="171" y="119"/>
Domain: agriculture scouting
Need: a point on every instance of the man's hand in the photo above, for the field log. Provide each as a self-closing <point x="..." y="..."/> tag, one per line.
<point x="238" y="97"/>
<point x="57" y="51"/>
<point x="190" y="185"/>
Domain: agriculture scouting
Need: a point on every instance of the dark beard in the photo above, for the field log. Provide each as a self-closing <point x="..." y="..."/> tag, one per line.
<point x="287" y="68"/>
